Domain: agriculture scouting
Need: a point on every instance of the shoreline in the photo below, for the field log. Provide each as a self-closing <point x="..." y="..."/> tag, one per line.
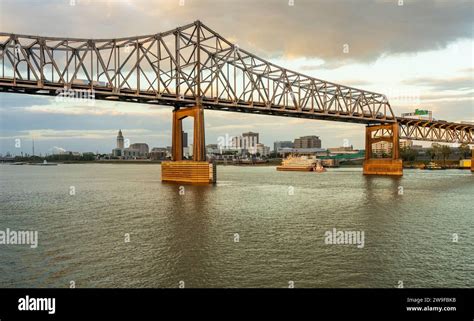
<point x="267" y="164"/>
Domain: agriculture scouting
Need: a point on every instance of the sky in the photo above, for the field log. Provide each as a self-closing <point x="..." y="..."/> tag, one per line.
<point x="418" y="53"/>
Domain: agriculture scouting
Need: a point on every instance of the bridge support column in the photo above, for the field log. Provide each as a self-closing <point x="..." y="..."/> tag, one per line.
<point x="472" y="161"/>
<point x="197" y="170"/>
<point x="392" y="166"/>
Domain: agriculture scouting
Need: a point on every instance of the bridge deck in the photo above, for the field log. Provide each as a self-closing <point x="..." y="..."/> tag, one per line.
<point x="151" y="97"/>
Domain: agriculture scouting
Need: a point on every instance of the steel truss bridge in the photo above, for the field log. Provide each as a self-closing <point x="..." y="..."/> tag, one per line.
<point x="193" y="65"/>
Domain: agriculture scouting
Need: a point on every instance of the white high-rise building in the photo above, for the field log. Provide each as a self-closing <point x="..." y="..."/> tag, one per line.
<point x="263" y="150"/>
<point x="236" y="142"/>
<point x="250" y="141"/>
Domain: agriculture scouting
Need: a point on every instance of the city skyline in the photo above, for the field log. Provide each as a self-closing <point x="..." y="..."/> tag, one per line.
<point x="399" y="65"/>
<point x="28" y="147"/>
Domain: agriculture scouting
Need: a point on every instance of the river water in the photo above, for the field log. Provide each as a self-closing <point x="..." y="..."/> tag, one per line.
<point x="123" y="227"/>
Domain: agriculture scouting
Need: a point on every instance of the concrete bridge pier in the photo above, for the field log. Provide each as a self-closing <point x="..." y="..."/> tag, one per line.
<point x="392" y="166"/>
<point x="197" y="170"/>
<point x="472" y="161"/>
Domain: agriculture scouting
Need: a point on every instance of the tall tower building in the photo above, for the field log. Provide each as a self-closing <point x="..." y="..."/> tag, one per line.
<point x="307" y="142"/>
<point x="185" y="139"/>
<point x="250" y="140"/>
<point x="120" y="139"/>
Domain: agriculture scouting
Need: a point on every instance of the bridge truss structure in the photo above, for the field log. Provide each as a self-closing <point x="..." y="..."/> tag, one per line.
<point x="194" y="66"/>
<point x="436" y="131"/>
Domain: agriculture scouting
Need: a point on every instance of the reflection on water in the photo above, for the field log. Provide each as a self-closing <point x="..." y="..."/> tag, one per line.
<point x="280" y="218"/>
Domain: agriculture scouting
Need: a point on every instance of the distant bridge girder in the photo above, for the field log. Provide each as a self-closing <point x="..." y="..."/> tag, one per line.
<point x="436" y="131"/>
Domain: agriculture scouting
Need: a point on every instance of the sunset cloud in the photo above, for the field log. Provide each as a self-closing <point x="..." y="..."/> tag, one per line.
<point x="309" y="28"/>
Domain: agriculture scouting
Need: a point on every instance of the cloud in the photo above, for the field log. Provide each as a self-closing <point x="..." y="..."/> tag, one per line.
<point x="308" y="29"/>
<point x="358" y="83"/>
<point x="447" y="96"/>
<point x="8" y="100"/>
<point x="57" y="150"/>
<point x="461" y="83"/>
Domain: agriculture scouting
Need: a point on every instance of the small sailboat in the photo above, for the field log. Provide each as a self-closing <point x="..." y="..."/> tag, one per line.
<point x="433" y="166"/>
<point x="45" y="163"/>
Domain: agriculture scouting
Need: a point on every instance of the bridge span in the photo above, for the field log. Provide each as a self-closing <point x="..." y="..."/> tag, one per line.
<point x="193" y="68"/>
